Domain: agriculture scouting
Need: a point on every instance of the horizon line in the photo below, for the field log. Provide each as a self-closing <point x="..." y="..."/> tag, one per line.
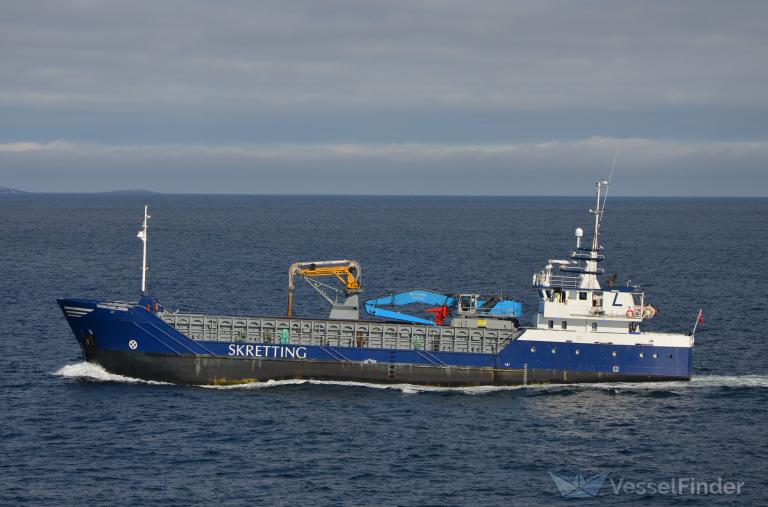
<point x="150" y="193"/>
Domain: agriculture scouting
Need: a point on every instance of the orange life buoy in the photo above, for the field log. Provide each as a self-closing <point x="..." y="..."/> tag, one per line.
<point x="630" y="313"/>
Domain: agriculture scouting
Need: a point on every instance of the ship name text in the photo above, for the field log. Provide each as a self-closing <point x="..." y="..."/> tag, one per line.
<point x="275" y="351"/>
<point x="113" y="307"/>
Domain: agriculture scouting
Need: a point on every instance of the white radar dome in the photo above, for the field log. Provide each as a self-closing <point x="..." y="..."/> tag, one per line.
<point x="579" y="232"/>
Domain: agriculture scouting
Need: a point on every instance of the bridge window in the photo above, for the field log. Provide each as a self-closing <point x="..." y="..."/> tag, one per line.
<point x="594" y="326"/>
<point x="551" y="324"/>
<point x="564" y="324"/>
<point x="582" y="296"/>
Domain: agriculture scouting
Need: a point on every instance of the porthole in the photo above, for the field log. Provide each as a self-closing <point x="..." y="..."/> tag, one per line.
<point x="554" y="350"/>
<point x="655" y="355"/>
<point x="578" y="352"/>
<point x="533" y="349"/>
<point x="670" y="356"/>
<point x="642" y="355"/>
<point x="613" y="353"/>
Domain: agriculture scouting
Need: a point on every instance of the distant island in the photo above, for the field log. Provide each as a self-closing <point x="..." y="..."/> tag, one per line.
<point x="137" y="191"/>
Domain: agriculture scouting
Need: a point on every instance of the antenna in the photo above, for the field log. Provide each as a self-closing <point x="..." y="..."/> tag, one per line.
<point x="600" y="208"/>
<point x="142" y="235"/>
<point x="610" y="176"/>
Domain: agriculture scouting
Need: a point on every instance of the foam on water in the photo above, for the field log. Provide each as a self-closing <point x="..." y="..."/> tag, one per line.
<point x="697" y="381"/>
<point x="742" y="381"/>
<point x="404" y="388"/>
<point x="95" y="372"/>
<point x="730" y="380"/>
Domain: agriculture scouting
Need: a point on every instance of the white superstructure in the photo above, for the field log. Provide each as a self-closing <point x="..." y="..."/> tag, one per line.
<point x="573" y="306"/>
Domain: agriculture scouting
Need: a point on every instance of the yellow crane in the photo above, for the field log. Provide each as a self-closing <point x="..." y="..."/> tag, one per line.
<point x="348" y="272"/>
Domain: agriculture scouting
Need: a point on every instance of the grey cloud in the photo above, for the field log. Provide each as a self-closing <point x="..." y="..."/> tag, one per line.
<point x="373" y="55"/>
<point x="396" y="96"/>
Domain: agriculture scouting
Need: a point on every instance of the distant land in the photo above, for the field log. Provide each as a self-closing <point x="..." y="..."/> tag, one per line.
<point x="136" y="191"/>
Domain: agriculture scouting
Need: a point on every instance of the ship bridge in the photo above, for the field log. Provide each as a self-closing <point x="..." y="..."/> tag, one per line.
<point x="571" y="297"/>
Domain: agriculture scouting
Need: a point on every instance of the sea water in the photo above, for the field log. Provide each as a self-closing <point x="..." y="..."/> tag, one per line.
<point x="74" y="434"/>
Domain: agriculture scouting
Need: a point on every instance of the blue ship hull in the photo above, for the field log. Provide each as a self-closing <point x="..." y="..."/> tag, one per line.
<point x="132" y="341"/>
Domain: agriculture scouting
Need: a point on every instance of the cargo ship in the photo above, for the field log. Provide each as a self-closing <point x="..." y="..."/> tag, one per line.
<point x="583" y="331"/>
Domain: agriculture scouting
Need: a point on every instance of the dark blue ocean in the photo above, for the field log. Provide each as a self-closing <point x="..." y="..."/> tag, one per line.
<point x="71" y="434"/>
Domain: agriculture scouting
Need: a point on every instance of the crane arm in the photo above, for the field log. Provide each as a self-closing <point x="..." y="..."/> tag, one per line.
<point x="345" y="274"/>
<point x="428" y="297"/>
<point x="442" y="304"/>
<point x="348" y="272"/>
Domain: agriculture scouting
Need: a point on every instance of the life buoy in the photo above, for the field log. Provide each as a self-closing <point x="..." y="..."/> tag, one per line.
<point x="630" y="313"/>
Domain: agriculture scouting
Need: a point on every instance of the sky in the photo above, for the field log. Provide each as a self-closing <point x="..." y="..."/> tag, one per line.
<point x="417" y="97"/>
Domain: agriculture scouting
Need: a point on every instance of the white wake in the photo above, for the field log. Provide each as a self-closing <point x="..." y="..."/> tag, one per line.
<point x="404" y="388"/>
<point x="701" y="381"/>
<point x="90" y="371"/>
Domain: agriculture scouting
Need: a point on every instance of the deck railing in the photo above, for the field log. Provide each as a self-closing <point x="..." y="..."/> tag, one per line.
<point x="566" y="282"/>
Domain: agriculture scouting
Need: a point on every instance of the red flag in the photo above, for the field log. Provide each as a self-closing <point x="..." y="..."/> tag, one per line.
<point x="701" y="317"/>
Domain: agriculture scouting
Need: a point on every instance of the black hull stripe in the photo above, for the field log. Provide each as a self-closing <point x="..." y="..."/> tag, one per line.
<point x="189" y="370"/>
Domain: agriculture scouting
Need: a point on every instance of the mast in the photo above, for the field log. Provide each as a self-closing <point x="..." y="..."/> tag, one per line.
<point x="142" y="235"/>
<point x="597" y="211"/>
<point x="589" y="278"/>
<point x="600" y="209"/>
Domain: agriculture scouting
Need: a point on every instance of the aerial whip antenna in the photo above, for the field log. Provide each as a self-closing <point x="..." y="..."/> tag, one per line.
<point x="600" y="207"/>
<point x="610" y="176"/>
